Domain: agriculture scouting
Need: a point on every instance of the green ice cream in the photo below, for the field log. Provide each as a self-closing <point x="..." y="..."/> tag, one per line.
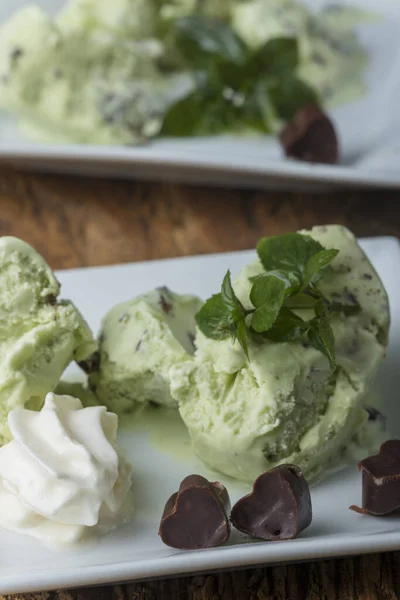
<point x="140" y="340"/>
<point x="39" y="335"/>
<point x="287" y="403"/>
<point x="119" y="17"/>
<point x="90" y="76"/>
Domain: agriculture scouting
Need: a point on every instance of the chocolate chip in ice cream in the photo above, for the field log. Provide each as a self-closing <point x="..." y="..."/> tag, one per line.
<point x="310" y="136"/>
<point x="192" y="340"/>
<point x="374" y="415"/>
<point x="278" y="508"/>
<point x="165" y="300"/>
<point x="51" y="299"/>
<point x="196" y="516"/>
<point x="15" y="55"/>
<point x="381" y="481"/>
<point x="91" y="364"/>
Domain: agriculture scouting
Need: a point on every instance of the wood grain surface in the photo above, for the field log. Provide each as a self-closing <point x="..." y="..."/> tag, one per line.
<point x="82" y="221"/>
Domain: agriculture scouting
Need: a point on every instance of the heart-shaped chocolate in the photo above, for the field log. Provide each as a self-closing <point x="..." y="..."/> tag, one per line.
<point x="278" y="508"/>
<point x="381" y="481"/>
<point x="196" y="516"/>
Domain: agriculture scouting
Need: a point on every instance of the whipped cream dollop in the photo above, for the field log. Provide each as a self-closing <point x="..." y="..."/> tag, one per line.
<point x="61" y="477"/>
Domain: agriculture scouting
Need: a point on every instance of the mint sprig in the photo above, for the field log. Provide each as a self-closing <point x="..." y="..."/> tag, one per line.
<point x="267" y="295"/>
<point x="288" y="253"/>
<point x="320" y="333"/>
<point x="294" y="265"/>
<point x="235" y="88"/>
<point x="223" y="316"/>
<point x="316" y="265"/>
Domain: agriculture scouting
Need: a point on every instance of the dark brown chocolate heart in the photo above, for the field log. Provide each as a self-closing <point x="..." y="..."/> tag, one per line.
<point x="196" y="516"/>
<point x="278" y="508"/>
<point x="310" y="136"/>
<point x="381" y="481"/>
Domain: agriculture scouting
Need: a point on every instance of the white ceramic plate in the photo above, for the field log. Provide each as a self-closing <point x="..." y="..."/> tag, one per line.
<point x="369" y="132"/>
<point x="135" y="551"/>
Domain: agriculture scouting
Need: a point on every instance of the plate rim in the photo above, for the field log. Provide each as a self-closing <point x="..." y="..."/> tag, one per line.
<point x="66" y="158"/>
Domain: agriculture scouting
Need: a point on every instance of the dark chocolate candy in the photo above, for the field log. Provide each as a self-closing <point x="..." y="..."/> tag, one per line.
<point x="196" y="516"/>
<point x="381" y="481"/>
<point x="278" y="508"/>
<point x="310" y="136"/>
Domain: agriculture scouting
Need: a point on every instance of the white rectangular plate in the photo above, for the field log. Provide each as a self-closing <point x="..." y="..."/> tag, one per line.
<point x="135" y="551"/>
<point x="369" y="132"/>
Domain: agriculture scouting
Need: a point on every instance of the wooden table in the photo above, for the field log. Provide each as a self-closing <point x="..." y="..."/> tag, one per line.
<point x="75" y="222"/>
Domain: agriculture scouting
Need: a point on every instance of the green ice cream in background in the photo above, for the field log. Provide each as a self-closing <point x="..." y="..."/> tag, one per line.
<point x="140" y="340"/>
<point x="39" y="334"/>
<point x="119" y="17"/>
<point x="108" y="71"/>
<point x="88" y="77"/>
<point x="287" y="403"/>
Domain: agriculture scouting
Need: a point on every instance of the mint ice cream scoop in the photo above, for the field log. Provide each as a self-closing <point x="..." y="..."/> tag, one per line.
<point x="140" y="340"/>
<point x="39" y="335"/>
<point x="287" y="402"/>
<point x="89" y="76"/>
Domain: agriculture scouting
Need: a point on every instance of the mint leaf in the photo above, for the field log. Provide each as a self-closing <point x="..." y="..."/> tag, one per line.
<point x="237" y="312"/>
<point x="184" y="118"/>
<point x="287" y="327"/>
<point x="317" y="264"/>
<point x="321" y="308"/>
<point x="229" y="296"/>
<point x="289" y="94"/>
<point x="223" y="316"/>
<point x="265" y="289"/>
<point x="278" y="56"/>
<point x="301" y="301"/>
<point x="267" y="295"/>
<point x="291" y="281"/>
<point x="214" y="319"/>
<point x="241" y="335"/>
<point x="320" y="334"/>
<point x="288" y="253"/>
<point x="203" y="112"/>
<point x="258" y="111"/>
<point x="201" y="38"/>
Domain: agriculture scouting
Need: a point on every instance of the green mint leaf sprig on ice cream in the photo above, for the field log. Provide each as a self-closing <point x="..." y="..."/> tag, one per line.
<point x="294" y="265"/>
<point x="223" y="316"/>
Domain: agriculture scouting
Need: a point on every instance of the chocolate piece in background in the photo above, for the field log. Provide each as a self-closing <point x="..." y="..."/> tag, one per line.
<point x="381" y="481"/>
<point x="278" y="508"/>
<point x="310" y="136"/>
<point x="196" y="516"/>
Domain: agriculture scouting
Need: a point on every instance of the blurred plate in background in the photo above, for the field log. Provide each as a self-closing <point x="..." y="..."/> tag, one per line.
<point x="369" y="132"/>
